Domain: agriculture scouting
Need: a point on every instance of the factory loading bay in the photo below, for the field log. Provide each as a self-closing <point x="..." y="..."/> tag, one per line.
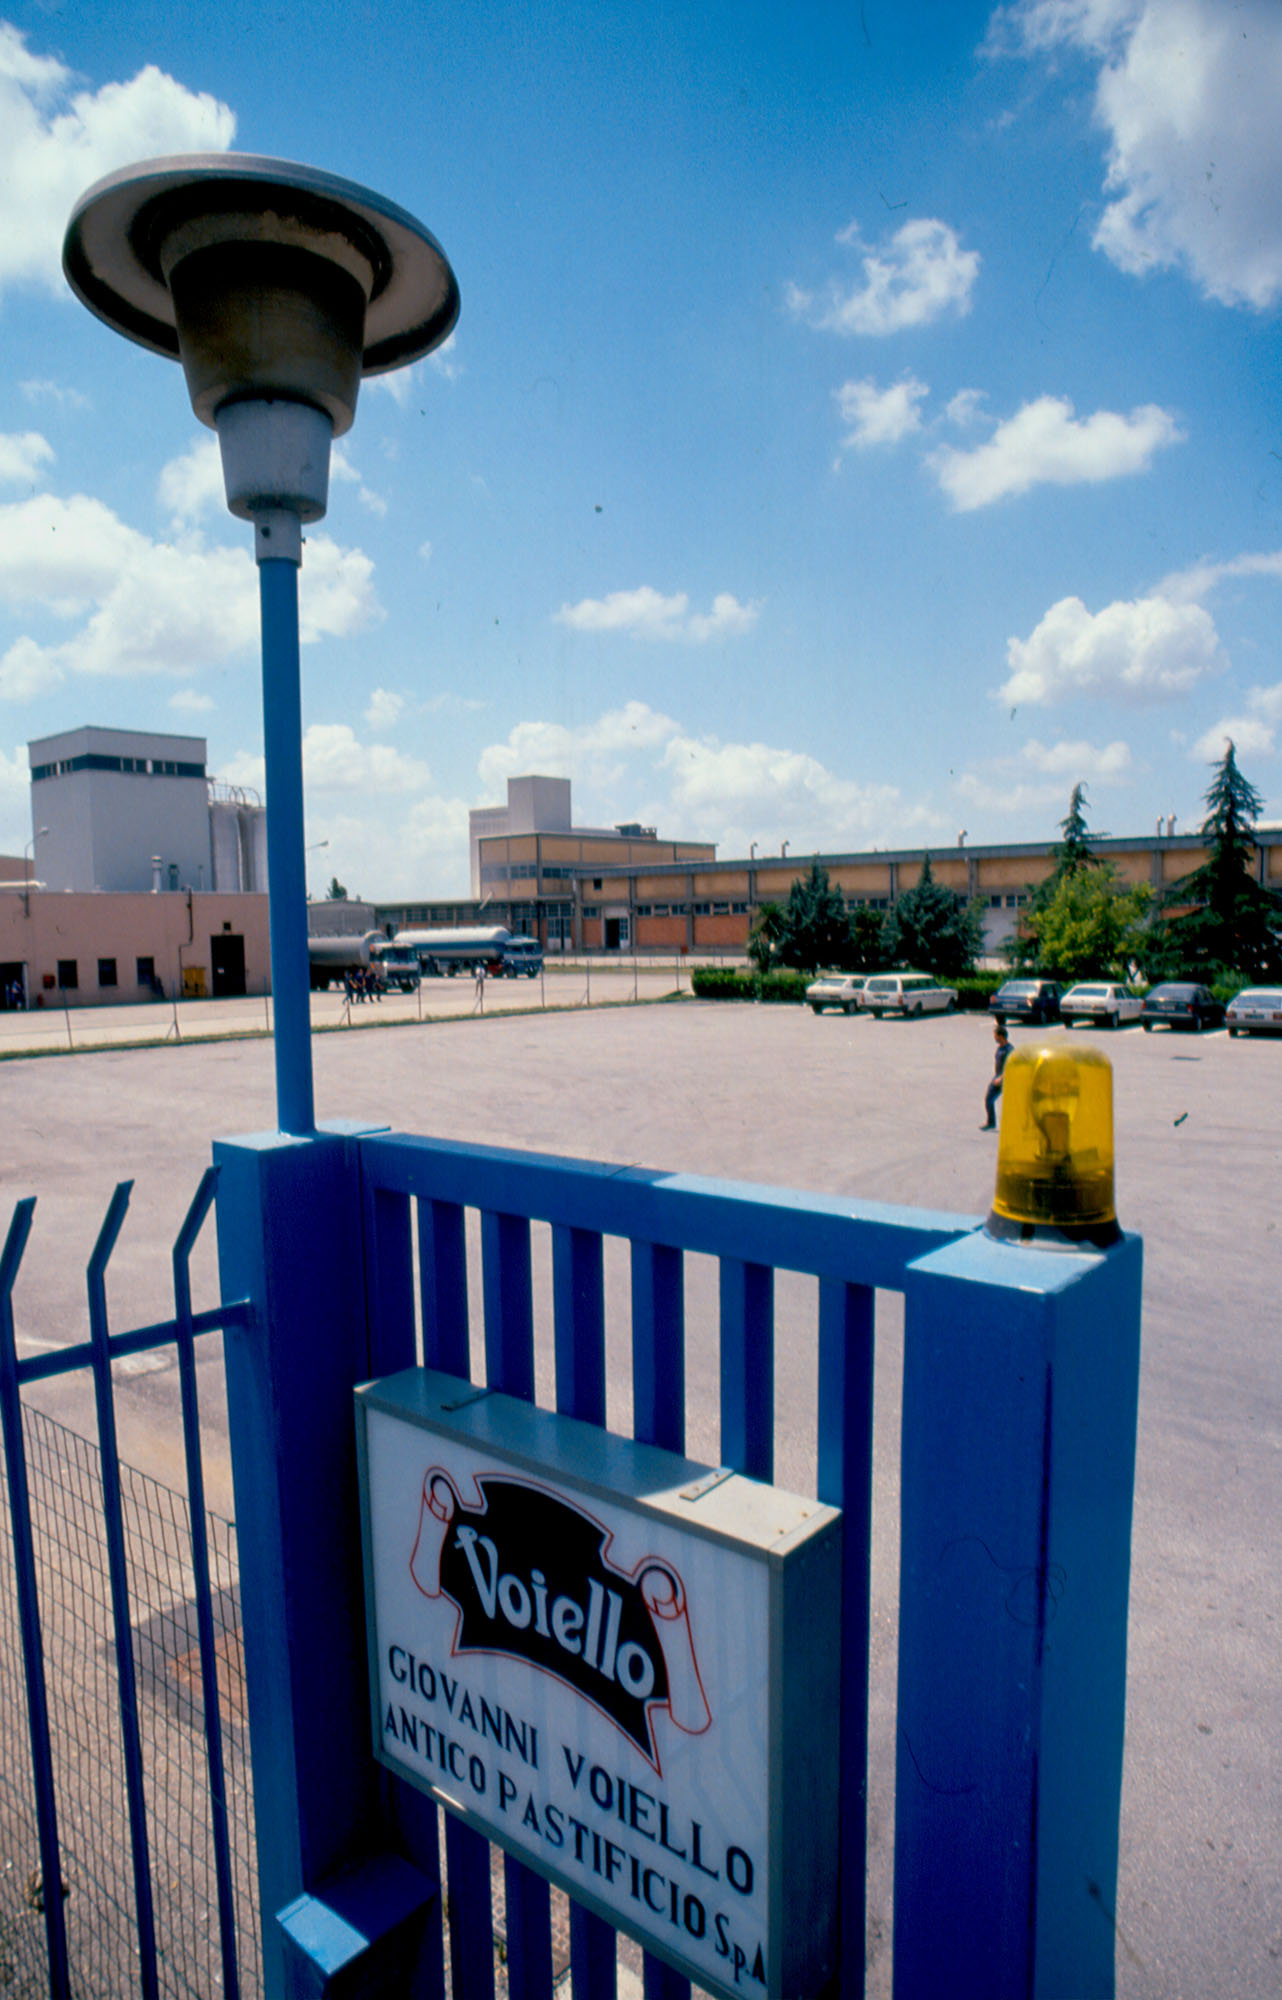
<point x="874" y="1110"/>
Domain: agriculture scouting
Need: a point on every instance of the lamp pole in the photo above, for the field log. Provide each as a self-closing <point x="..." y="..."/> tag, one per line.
<point x="28" y="862"/>
<point x="279" y="288"/>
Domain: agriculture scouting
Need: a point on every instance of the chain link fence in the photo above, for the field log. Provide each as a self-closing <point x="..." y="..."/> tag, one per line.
<point x="65" y="1477"/>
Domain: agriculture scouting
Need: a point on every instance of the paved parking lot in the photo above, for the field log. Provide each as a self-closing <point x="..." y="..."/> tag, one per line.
<point x="878" y="1110"/>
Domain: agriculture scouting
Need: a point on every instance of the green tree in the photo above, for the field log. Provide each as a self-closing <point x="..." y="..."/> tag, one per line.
<point x="934" y="929"/>
<point x="763" y="938"/>
<point x="1235" y="922"/>
<point x="1074" y="851"/>
<point x="1089" y="925"/>
<point x="867" y="949"/>
<point x="815" y="928"/>
<point x="336" y="893"/>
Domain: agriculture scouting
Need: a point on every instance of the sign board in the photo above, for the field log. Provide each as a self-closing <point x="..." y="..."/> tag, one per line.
<point x="619" y="1664"/>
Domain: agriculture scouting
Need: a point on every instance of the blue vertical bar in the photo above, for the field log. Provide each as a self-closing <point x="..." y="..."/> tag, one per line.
<point x="747" y="1367"/>
<point x="578" y="1296"/>
<point x="286" y="867"/>
<point x="658" y="1346"/>
<point x="1021" y="1371"/>
<point x="509" y="1366"/>
<point x="24" y="1562"/>
<point x="659" y="1417"/>
<point x="509" y="1304"/>
<point x="845" y="1481"/>
<point x="186" y="1346"/>
<point x="118" y="1571"/>
<point x="442" y="1266"/>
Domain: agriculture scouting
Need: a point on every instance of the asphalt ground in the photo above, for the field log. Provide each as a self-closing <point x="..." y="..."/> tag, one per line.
<point x="877" y="1110"/>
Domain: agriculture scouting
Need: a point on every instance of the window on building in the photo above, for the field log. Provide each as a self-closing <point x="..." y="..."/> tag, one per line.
<point x="107" y="972"/>
<point x="68" y="975"/>
<point x="645" y="910"/>
<point x="702" y="909"/>
<point x="739" y="909"/>
<point x="145" y="971"/>
<point x="721" y="909"/>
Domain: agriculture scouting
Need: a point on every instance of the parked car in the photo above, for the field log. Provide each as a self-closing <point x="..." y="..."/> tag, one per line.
<point x="1102" y="1001"/>
<point x="1256" y="1011"/>
<point x="836" y="989"/>
<point x="906" y="993"/>
<point x="1181" y="1004"/>
<point x="1035" y="1000"/>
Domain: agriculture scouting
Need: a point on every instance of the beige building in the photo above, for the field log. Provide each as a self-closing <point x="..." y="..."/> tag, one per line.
<point x="708" y="906"/>
<point x="99" y="948"/>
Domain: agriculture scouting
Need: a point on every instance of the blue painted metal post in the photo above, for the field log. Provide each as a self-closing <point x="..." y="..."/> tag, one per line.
<point x="286" y="856"/>
<point x="1021" y="1368"/>
<point x="289" y="1239"/>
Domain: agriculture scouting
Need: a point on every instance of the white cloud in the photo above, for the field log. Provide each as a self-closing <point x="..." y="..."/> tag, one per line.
<point x="1045" y="444"/>
<point x="647" y="614"/>
<point x="965" y="408"/>
<point x="56" y="141"/>
<point x="737" y="792"/>
<point x="425" y="552"/>
<point x="22" y="455"/>
<point x="384" y="710"/>
<point x="1081" y="762"/>
<point x="1188" y="94"/>
<point x="874" y="416"/>
<point x="1267" y="701"/>
<point x="1254" y="734"/>
<point x="54" y="392"/>
<point x="144" y="607"/>
<point x="921" y="273"/>
<point x="188" y="701"/>
<point x="1145" y="650"/>
<point x="342" y="469"/>
<point x="192" y="486"/>
<point x="335" y="760"/>
<point x="592" y="753"/>
<point x="1251" y="735"/>
<point x="1190" y="586"/>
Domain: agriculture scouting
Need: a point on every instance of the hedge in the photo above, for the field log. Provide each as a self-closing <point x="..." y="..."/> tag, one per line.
<point x="718" y="982"/>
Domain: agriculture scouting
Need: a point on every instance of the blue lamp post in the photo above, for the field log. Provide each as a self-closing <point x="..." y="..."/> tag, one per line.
<point x="278" y="287"/>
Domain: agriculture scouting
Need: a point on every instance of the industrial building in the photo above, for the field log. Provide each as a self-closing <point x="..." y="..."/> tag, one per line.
<point x="142" y="879"/>
<point x="626" y="890"/>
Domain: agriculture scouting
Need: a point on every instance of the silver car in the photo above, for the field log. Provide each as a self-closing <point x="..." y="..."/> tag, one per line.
<point x="906" y="993"/>
<point x="836" y="989"/>
<point x="1104" y="1001"/>
<point x="1256" y="1011"/>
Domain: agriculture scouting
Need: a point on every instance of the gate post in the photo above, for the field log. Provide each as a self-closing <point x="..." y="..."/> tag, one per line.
<point x="333" y="1899"/>
<point x="1021" y="1369"/>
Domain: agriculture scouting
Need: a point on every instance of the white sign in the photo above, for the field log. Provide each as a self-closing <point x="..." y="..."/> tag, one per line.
<point x="581" y="1644"/>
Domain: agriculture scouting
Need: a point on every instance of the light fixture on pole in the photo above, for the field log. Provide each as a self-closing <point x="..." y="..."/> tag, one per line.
<point x="28" y="861"/>
<point x="278" y="287"/>
<point x="315" y="848"/>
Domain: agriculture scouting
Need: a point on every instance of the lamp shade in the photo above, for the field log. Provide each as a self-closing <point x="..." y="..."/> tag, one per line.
<point x="267" y="279"/>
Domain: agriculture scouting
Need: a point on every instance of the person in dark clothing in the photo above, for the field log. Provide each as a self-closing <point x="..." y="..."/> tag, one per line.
<point x="1001" y="1049"/>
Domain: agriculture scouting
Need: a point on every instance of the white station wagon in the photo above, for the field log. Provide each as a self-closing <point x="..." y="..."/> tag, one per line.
<point x="1100" y="1000"/>
<point x="906" y="993"/>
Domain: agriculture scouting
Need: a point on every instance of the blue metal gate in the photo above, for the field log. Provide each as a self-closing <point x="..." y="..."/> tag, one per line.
<point x="365" y="1253"/>
<point x="126" y="1814"/>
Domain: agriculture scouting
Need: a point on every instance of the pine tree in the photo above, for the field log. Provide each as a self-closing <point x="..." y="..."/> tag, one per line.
<point x="1236" y="923"/>
<point x="816" y="931"/>
<point x="1074" y="851"/>
<point x="933" y="929"/>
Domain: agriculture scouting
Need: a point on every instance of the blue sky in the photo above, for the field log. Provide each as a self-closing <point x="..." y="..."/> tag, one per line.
<point x="862" y="423"/>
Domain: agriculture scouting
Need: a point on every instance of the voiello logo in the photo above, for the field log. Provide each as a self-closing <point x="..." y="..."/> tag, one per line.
<point x="530" y="1577"/>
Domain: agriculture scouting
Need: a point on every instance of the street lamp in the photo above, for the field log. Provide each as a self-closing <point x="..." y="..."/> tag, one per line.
<point x="315" y="848"/>
<point x="28" y="855"/>
<point x="278" y="287"/>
